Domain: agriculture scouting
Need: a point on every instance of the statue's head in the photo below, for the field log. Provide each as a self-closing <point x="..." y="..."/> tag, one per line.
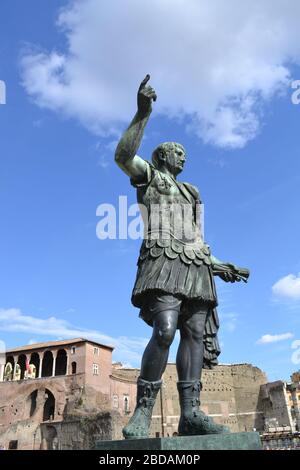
<point x="169" y="155"/>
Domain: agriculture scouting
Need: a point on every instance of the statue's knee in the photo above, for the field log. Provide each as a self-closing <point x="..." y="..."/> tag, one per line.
<point x="164" y="336"/>
<point x="195" y="329"/>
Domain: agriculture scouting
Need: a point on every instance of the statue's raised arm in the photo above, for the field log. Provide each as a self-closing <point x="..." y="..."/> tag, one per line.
<point x="125" y="155"/>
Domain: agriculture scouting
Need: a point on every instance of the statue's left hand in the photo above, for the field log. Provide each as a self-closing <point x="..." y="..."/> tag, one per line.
<point x="229" y="277"/>
<point x="230" y="272"/>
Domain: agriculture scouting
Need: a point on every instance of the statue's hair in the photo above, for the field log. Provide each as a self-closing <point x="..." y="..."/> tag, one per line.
<point x="164" y="148"/>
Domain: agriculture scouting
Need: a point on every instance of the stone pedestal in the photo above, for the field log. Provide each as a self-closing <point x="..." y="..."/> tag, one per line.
<point x="234" y="441"/>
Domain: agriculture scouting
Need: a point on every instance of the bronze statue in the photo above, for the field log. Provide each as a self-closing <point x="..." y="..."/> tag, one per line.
<point x="174" y="287"/>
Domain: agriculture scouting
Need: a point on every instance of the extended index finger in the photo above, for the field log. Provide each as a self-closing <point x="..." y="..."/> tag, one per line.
<point x="146" y="80"/>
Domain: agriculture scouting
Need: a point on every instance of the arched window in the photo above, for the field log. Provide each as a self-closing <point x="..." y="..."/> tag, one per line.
<point x="74" y="367"/>
<point x="47" y="364"/>
<point x="9" y="369"/>
<point x="22" y="364"/>
<point x="126" y="404"/>
<point x="32" y="401"/>
<point x="35" y="361"/>
<point x="61" y="363"/>
<point x="49" y="406"/>
<point x="51" y="438"/>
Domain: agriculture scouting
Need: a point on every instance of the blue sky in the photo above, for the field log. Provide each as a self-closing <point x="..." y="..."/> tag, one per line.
<point x="66" y="105"/>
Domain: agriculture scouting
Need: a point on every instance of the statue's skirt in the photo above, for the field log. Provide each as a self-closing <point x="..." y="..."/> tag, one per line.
<point x="187" y="281"/>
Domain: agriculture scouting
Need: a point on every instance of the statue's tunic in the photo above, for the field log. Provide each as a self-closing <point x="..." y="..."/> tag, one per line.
<point x="173" y="258"/>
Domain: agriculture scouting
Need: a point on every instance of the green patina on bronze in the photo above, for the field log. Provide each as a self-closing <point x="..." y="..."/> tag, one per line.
<point x="174" y="286"/>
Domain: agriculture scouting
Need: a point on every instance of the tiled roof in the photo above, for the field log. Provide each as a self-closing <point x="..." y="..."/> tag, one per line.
<point x="49" y="344"/>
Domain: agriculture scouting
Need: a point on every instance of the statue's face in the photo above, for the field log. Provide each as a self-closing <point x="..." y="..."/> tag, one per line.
<point x="175" y="160"/>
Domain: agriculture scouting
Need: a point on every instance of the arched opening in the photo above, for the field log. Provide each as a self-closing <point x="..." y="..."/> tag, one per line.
<point x="61" y="363"/>
<point x="51" y="438"/>
<point x="74" y="367"/>
<point x="47" y="364"/>
<point x="11" y="360"/>
<point x="9" y="369"/>
<point x="35" y="360"/>
<point x="49" y="406"/>
<point x="22" y="364"/>
<point x="32" y="399"/>
<point x="126" y="404"/>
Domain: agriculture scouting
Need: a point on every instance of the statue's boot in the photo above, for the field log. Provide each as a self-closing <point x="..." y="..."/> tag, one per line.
<point x="139" y="424"/>
<point x="192" y="420"/>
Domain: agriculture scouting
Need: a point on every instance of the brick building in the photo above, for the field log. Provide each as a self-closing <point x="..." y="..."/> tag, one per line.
<point x="45" y="382"/>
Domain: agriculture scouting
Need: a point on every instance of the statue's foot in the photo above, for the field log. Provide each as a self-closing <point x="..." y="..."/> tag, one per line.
<point x="138" y="425"/>
<point x="198" y="423"/>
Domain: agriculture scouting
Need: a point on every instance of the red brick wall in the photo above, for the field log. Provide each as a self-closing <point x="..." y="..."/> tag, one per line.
<point x="100" y="382"/>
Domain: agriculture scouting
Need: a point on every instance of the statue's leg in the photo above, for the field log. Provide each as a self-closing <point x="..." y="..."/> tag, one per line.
<point x="189" y="367"/>
<point x="189" y="360"/>
<point x="156" y="354"/>
<point x="153" y="365"/>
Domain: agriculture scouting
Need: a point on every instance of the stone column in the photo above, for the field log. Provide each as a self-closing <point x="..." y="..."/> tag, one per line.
<point x="68" y="363"/>
<point x="54" y="353"/>
<point x="27" y="360"/>
<point x="15" y="366"/>
<point x="39" y="372"/>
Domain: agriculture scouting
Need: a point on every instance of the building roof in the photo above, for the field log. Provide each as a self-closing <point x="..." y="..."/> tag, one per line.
<point x="49" y="344"/>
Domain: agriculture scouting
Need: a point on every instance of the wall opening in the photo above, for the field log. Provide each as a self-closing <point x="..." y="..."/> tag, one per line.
<point x="51" y="438"/>
<point x="32" y="398"/>
<point x="49" y="406"/>
<point x="13" y="445"/>
<point x="9" y="369"/>
<point x="35" y="360"/>
<point x="61" y="363"/>
<point x="47" y="364"/>
<point x="126" y="404"/>
<point x="74" y="367"/>
<point x="22" y="364"/>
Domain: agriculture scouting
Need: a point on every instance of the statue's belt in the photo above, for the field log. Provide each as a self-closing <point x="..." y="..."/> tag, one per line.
<point x="171" y="248"/>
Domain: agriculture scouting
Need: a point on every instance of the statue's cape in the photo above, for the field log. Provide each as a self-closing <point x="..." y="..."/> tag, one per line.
<point x="211" y="344"/>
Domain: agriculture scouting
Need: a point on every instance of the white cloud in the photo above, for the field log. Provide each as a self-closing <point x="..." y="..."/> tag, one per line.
<point x="213" y="62"/>
<point x="126" y="349"/>
<point x="274" y="338"/>
<point x="288" y="287"/>
<point x="106" y="152"/>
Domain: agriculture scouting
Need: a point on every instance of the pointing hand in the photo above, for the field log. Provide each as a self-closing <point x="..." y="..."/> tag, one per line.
<point x="146" y="94"/>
